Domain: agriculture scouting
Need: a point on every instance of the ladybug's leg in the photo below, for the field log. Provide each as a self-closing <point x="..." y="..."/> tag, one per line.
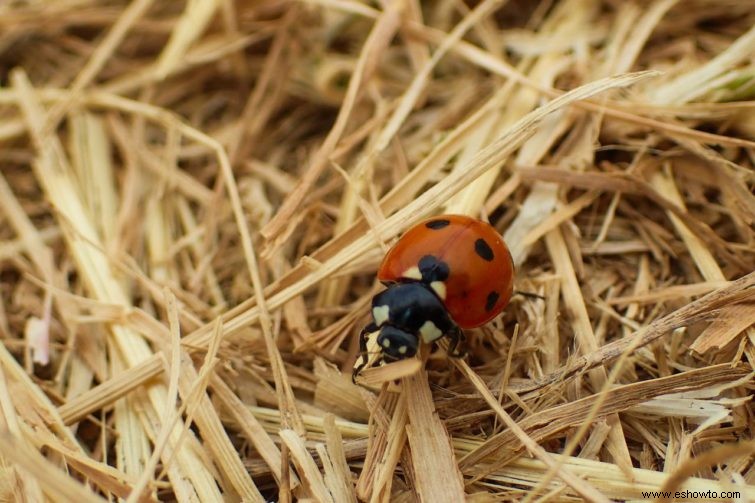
<point x="529" y="295"/>
<point x="456" y="337"/>
<point x="362" y="360"/>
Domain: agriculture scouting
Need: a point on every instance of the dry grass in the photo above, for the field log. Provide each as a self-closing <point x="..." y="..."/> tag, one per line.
<point x="194" y="197"/>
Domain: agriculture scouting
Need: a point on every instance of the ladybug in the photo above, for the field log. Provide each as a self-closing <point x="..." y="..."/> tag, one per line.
<point x="445" y="274"/>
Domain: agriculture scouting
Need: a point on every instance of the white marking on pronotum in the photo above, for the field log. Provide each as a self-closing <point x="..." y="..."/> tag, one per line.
<point x="380" y="314"/>
<point x="386" y="342"/>
<point x="413" y="273"/>
<point x="402" y="350"/>
<point x="440" y="288"/>
<point x="430" y="332"/>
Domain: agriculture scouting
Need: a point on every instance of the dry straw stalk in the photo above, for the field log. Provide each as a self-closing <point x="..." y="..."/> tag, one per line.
<point x="195" y="196"/>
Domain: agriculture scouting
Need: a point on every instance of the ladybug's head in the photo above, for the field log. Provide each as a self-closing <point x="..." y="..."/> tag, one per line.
<point x="405" y="313"/>
<point x="396" y="344"/>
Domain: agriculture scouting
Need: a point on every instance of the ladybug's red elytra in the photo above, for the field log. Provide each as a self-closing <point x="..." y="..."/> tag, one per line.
<point x="445" y="274"/>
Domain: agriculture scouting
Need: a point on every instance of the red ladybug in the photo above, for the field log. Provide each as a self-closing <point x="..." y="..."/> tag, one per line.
<point x="445" y="274"/>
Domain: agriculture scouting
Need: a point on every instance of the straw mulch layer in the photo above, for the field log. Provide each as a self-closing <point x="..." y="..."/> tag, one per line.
<point x="195" y="196"/>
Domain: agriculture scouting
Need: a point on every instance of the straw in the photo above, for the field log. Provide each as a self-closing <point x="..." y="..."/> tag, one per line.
<point x="195" y="199"/>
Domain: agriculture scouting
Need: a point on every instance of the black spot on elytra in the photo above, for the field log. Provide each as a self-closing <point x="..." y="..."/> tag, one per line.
<point x="437" y="224"/>
<point x="491" y="300"/>
<point x="433" y="269"/>
<point x="483" y="249"/>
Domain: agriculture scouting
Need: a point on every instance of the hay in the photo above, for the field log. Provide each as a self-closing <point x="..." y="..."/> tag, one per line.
<point x="194" y="198"/>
